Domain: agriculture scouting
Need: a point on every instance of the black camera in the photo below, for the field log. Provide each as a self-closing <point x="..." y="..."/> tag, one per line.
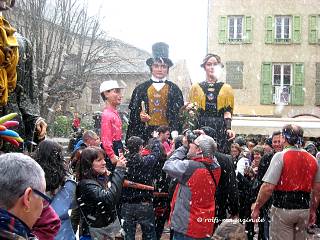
<point x="190" y="135"/>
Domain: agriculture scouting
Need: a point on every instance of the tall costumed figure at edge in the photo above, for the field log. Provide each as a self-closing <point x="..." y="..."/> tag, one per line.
<point x="216" y="102"/>
<point x="18" y="88"/>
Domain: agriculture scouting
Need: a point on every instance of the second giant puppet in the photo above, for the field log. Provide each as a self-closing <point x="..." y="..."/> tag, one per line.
<point x="157" y="101"/>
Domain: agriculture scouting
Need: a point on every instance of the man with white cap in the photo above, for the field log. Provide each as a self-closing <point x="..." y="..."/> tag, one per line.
<point x="111" y="125"/>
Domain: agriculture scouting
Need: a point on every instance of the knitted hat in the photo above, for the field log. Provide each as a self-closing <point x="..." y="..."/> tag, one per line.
<point x="206" y="144"/>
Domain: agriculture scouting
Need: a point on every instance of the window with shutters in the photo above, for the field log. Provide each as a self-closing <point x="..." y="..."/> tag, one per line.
<point x="314" y="29"/>
<point x="283" y="29"/>
<point x="234" y="74"/>
<point x="235" y="29"/>
<point x="282" y="83"/>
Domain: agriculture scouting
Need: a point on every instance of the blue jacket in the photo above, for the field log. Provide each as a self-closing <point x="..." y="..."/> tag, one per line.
<point x="62" y="202"/>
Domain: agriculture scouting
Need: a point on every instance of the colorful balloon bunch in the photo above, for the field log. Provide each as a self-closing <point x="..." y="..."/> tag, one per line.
<point x="7" y="134"/>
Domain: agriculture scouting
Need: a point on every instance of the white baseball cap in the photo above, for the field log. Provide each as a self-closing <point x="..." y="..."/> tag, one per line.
<point x="108" y="85"/>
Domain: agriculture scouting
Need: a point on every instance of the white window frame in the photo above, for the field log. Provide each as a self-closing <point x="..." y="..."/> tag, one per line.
<point x="282" y="37"/>
<point x="235" y="37"/>
<point x="280" y="89"/>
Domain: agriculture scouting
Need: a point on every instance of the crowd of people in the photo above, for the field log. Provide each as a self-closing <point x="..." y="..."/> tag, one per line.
<point x="205" y="181"/>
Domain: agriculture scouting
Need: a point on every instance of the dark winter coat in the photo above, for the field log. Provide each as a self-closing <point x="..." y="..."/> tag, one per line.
<point x="175" y="102"/>
<point x="227" y="194"/>
<point x="140" y="170"/>
<point x="98" y="204"/>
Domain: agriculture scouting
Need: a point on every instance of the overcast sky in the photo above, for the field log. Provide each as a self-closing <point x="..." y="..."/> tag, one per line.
<point x="180" y="23"/>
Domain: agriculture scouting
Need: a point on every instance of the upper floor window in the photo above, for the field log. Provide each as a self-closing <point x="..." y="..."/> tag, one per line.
<point x="235" y="28"/>
<point x="314" y="29"/>
<point x="282" y="28"/>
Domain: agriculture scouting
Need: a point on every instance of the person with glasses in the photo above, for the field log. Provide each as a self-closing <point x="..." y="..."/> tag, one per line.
<point x="22" y="198"/>
<point x="198" y="173"/>
<point x="60" y="186"/>
<point x="216" y="103"/>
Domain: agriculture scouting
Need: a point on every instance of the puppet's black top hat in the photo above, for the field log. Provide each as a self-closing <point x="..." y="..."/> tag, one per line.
<point x="160" y="52"/>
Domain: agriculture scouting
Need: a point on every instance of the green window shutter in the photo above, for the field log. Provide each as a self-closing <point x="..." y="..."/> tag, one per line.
<point x="266" y="84"/>
<point x="223" y="29"/>
<point x="234" y="74"/>
<point x="247" y="29"/>
<point x="269" y="29"/>
<point x="297" y="93"/>
<point x="317" y="102"/>
<point x="296" y="26"/>
<point x="313" y="32"/>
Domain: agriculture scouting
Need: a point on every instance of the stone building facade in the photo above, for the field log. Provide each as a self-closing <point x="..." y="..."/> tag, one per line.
<point x="271" y="52"/>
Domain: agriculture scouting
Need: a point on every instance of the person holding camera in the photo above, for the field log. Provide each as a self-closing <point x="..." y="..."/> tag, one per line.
<point x="197" y="172"/>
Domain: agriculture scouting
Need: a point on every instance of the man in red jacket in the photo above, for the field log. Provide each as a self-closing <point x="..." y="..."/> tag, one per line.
<point x="197" y="172"/>
<point x="293" y="178"/>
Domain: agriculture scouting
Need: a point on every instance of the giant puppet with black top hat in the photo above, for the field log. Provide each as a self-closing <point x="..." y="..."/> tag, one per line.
<point x="157" y="101"/>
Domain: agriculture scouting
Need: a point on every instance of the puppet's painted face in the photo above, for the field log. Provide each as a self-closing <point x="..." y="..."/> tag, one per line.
<point x="6" y="4"/>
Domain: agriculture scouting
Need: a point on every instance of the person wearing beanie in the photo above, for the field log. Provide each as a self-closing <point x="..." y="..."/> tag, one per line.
<point x="216" y="102"/>
<point x="111" y="125"/>
<point x="197" y="172"/>
<point x="157" y="101"/>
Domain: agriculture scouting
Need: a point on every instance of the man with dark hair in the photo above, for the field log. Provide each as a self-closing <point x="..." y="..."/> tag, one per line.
<point x="137" y="206"/>
<point x="163" y="136"/>
<point x="157" y="101"/>
<point x="293" y="178"/>
<point x="276" y="143"/>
